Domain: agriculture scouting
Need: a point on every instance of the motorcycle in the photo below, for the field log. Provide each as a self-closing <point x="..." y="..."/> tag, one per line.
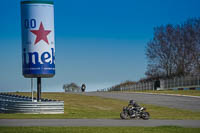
<point x="134" y="112"/>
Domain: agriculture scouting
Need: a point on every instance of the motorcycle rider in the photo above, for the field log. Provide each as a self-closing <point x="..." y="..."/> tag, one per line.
<point x="133" y="104"/>
<point x="133" y="107"/>
<point x="133" y="110"/>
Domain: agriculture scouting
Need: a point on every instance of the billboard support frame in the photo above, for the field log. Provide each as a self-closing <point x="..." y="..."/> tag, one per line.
<point x="39" y="89"/>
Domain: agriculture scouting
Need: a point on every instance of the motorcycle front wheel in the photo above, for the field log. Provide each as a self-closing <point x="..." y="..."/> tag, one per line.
<point x="123" y="115"/>
<point x="145" y="116"/>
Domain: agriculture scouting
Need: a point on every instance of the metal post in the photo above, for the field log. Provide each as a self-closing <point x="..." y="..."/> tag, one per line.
<point x="38" y="89"/>
<point x="32" y="88"/>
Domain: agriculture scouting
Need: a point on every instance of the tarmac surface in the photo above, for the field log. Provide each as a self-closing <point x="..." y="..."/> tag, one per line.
<point x="96" y="123"/>
<point x="172" y="101"/>
<point x="182" y="102"/>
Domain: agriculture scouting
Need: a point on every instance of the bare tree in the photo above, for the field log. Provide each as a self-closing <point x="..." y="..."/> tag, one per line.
<point x="160" y="52"/>
<point x="174" y="50"/>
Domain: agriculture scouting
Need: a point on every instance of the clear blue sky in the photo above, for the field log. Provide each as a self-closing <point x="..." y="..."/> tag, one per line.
<point x="99" y="43"/>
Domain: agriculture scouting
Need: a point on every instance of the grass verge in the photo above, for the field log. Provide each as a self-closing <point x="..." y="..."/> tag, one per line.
<point x="81" y="106"/>
<point x="162" y="129"/>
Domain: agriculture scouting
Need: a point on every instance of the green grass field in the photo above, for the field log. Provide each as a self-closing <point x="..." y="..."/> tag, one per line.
<point x="180" y="92"/>
<point x="81" y="106"/>
<point x="163" y="129"/>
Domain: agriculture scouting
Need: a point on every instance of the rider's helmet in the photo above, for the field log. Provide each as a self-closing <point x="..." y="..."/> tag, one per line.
<point x="132" y="102"/>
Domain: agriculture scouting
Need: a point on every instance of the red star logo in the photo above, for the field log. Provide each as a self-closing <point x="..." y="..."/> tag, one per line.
<point x="41" y="34"/>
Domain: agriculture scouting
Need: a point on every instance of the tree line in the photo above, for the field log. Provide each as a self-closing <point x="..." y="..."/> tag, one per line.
<point x="174" y="50"/>
<point x="73" y="87"/>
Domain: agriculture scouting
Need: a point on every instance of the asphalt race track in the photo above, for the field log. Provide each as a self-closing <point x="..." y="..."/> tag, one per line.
<point x="96" y="122"/>
<point x="181" y="102"/>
